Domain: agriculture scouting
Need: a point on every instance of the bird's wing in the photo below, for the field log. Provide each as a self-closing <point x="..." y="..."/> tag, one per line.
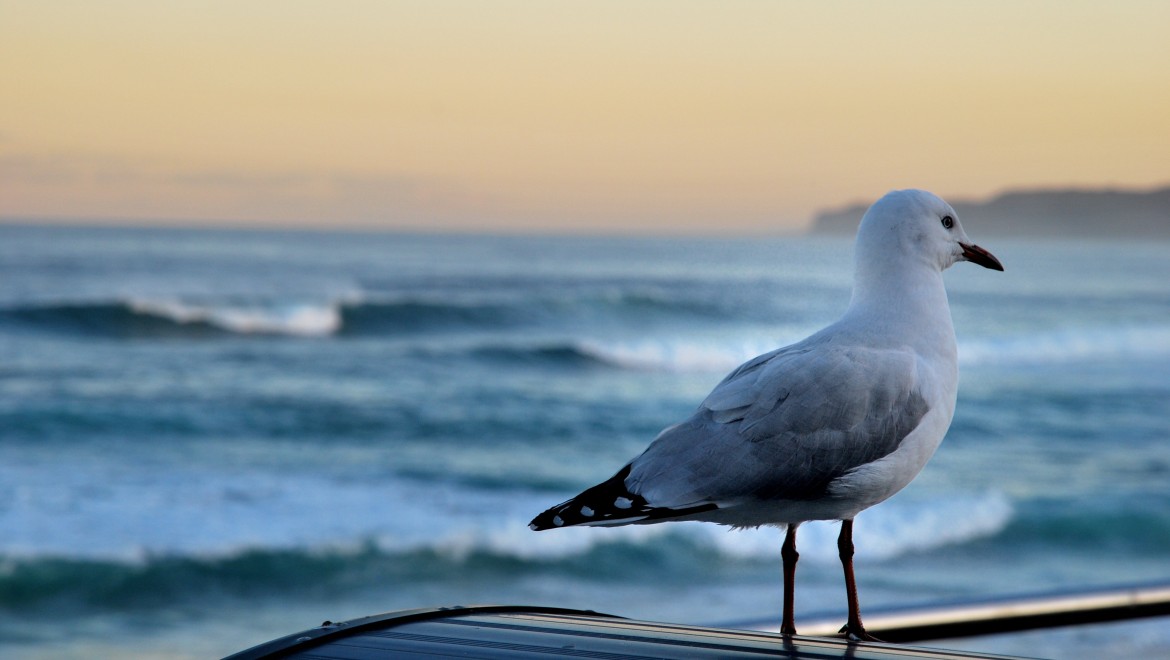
<point x="783" y="426"/>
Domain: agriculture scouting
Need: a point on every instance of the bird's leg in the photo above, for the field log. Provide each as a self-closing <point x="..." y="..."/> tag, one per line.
<point x="790" y="555"/>
<point x="853" y="629"/>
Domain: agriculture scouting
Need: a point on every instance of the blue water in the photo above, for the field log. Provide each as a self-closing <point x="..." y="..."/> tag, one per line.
<point x="209" y="439"/>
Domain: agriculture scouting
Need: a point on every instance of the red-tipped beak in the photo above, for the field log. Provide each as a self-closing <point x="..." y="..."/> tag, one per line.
<point x="978" y="255"/>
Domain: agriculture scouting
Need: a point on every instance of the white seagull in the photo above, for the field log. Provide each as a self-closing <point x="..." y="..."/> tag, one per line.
<point x="822" y="429"/>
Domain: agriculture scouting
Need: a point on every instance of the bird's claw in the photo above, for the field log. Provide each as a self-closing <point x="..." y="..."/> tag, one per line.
<point x="857" y="634"/>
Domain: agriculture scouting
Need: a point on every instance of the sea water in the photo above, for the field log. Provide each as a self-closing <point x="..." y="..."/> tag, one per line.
<point x="209" y="439"/>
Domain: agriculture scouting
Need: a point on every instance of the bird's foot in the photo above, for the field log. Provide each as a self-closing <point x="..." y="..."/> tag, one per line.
<point x="787" y="629"/>
<point x="857" y="633"/>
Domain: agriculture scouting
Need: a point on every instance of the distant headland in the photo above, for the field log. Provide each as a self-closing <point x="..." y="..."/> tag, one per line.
<point x="1073" y="212"/>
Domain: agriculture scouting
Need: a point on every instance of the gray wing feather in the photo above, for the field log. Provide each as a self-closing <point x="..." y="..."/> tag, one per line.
<point x="784" y="426"/>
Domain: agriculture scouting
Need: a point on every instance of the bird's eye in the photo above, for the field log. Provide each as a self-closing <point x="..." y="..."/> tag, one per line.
<point x="948" y="221"/>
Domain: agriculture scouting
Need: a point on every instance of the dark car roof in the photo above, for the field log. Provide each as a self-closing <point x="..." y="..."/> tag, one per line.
<point x="533" y="632"/>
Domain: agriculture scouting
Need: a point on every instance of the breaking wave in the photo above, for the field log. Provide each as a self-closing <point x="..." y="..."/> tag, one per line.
<point x="557" y="343"/>
<point x="140" y="318"/>
<point x="43" y="583"/>
<point x="147" y="318"/>
<point x="247" y="565"/>
<point x="1068" y="345"/>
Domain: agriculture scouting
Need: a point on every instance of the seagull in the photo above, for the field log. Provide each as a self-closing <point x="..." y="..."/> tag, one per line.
<point x="826" y="427"/>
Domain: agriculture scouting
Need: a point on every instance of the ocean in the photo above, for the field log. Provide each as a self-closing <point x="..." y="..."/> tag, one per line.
<point x="209" y="438"/>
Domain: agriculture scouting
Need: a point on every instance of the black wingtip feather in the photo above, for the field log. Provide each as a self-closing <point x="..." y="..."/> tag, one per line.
<point x="607" y="503"/>
<point x="594" y="505"/>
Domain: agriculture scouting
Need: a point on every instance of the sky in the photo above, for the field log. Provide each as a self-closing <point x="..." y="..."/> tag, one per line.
<point x="614" y="117"/>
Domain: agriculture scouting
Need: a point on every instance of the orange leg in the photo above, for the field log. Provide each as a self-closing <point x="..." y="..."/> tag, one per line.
<point x="853" y="629"/>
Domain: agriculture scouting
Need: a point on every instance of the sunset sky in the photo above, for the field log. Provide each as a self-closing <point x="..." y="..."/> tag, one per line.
<point x="630" y="116"/>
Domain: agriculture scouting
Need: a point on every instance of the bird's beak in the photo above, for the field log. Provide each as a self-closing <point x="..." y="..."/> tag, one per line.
<point x="978" y="255"/>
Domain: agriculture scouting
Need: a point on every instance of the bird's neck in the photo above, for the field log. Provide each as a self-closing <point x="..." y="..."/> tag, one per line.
<point x="906" y="306"/>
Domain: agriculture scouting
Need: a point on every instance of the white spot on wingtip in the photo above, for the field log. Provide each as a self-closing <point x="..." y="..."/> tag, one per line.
<point x="623" y="503"/>
<point x="587" y="512"/>
<point x="533" y="527"/>
<point x="557" y="521"/>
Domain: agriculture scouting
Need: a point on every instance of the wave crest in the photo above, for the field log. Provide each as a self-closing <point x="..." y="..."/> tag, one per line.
<point x="1069" y="345"/>
<point x="560" y="339"/>
<point x="168" y="318"/>
<point x="294" y="319"/>
<point x="634" y="553"/>
<point x="889" y="531"/>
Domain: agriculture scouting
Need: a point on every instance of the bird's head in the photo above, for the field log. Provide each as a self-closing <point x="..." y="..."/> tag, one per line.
<point x="918" y="225"/>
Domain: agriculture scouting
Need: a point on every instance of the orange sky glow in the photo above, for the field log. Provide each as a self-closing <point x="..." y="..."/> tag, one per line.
<point x="627" y="117"/>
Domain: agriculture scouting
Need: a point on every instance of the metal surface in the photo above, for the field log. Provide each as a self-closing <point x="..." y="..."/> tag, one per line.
<point x="515" y="632"/>
<point x="997" y="616"/>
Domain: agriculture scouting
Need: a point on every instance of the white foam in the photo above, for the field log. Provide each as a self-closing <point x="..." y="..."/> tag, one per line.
<point x="698" y="354"/>
<point x="887" y="531"/>
<point x="294" y="319"/>
<point x="1068" y="345"/>
<point x="704" y="355"/>
<point x="90" y="506"/>
<point x="510" y="537"/>
<point x="683" y="355"/>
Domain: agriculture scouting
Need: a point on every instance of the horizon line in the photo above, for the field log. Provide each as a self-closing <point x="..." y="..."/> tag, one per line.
<point x="715" y="230"/>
